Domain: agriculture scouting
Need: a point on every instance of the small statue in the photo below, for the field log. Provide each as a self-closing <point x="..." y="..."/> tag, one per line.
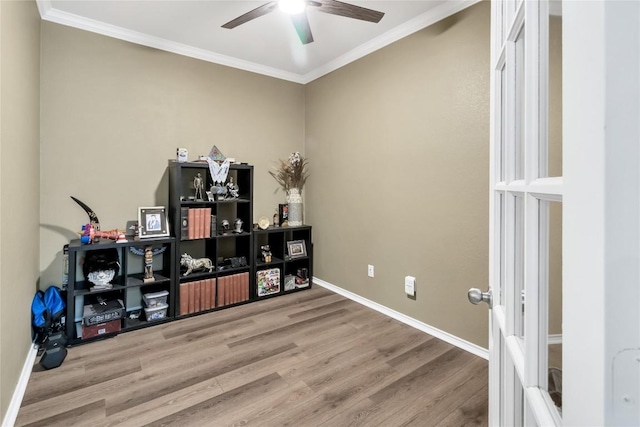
<point x="195" y="264"/>
<point x="148" y="253"/>
<point x="224" y="226"/>
<point x="100" y="267"/>
<point x="148" y="264"/>
<point x="218" y="192"/>
<point x="266" y="253"/>
<point x="232" y="189"/>
<point x="237" y="225"/>
<point x="198" y="185"/>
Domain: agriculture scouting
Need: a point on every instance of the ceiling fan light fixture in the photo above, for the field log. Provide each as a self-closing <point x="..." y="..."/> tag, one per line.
<point x="292" y="7"/>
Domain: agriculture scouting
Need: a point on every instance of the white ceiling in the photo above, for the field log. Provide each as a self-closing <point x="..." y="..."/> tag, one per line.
<point x="267" y="45"/>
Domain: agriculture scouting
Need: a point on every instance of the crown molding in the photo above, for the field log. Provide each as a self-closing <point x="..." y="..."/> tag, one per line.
<point x="414" y="25"/>
<point x="48" y="13"/>
<point x="44" y="6"/>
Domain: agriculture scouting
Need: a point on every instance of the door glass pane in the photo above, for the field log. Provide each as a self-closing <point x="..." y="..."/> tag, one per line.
<point x="501" y="31"/>
<point x="518" y="279"/>
<point x="519" y="107"/>
<point x="551" y="276"/>
<point x="502" y="128"/>
<point x="505" y="20"/>
<point x="512" y="393"/>
<point x="519" y="411"/>
<point x="500" y="235"/>
<point x="554" y="151"/>
<point x="502" y="370"/>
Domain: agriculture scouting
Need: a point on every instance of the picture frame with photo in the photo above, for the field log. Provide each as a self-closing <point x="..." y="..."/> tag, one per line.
<point x="296" y="249"/>
<point x="283" y="212"/>
<point x="152" y="222"/>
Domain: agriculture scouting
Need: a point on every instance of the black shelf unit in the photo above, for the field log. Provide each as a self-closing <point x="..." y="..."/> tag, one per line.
<point x="277" y="238"/>
<point x="227" y="285"/>
<point x="128" y="285"/>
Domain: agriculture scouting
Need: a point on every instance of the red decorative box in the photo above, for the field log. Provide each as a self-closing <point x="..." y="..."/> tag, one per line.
<point x="100" y="329"/>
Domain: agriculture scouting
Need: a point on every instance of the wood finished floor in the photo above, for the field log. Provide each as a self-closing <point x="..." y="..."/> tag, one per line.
<point x="312" y="358"/>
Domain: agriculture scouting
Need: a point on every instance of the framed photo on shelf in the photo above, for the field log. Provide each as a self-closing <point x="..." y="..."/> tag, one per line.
<point x="296" y="249"/>
<point x="283" y="212"/>
<point x="152" y="222"/>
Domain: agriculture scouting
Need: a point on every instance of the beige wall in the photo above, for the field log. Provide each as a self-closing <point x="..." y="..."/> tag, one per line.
<point x="555" y="169"/>
<point x="19" y="185"/>
<point x="399" y="149"/>
<point x="113" y="113"/>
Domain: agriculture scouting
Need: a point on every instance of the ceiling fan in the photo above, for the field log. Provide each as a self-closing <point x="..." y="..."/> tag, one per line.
<point x="297" y="10"/>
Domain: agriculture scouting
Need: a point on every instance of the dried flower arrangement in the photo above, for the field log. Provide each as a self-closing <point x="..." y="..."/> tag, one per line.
<point x="291" y="174"/>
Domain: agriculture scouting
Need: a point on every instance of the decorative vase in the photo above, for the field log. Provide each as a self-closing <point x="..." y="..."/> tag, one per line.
<point x="294" y="199"/>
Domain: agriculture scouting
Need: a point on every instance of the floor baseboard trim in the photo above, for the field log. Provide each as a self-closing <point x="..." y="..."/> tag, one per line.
<point x="444" y="336"/>
<point x="16" y="400"/>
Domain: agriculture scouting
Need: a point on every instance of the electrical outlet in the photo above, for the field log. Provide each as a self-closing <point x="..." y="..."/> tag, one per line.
<point x="370" y="270"/>
<point x="410" y="285"/>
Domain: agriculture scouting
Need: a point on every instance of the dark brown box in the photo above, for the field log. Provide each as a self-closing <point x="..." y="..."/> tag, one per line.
<point x="100" y="329"/>
<point x="95" y="314"/>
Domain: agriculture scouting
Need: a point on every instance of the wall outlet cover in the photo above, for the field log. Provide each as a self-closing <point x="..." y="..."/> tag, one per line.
<point x="410" y="285"/>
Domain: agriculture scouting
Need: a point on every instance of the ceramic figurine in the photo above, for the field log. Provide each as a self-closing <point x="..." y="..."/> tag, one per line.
<point x="198" y="185"/>
<point x="195" y="264"/>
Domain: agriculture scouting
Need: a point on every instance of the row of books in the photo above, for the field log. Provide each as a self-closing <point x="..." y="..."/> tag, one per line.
<point x="197" y="223"/>
<point x="206" y="294"/>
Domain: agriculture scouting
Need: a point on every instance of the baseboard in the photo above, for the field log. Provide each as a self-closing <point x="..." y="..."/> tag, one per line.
<point x="444" y="336"/>
<point x="14" y="406"/>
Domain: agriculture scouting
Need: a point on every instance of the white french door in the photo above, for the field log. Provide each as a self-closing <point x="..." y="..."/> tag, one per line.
<point x="564" y="339"/>
<point x="525" y="383"/>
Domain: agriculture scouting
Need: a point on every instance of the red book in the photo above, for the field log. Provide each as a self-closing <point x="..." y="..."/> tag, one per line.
<point x="234" y="289"/>
<point x="196" y="306"/>
<point x="192" y="296"/>
<point x="192" y="223"/>
<point x="205" y="297"/>
<point x="221" y="292"/>
<point x="238" y="288"/>
<point x="198" y="223"/>
<point x="207" y="222"/>
<point x="184" y="298"/>
<point x="245" y="286"/>
<point x="213" y="292"/>
<point x="224" y="281"/>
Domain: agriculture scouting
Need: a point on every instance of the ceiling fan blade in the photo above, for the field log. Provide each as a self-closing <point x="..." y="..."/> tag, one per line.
<point x="255" y="13"/>
<point x="301" y="22"/>
<point x="335" y="7"/>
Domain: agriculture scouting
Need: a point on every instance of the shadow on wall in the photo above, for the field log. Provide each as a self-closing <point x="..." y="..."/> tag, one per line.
<point x="56" y="267"/>
<point x="162" y="190"/>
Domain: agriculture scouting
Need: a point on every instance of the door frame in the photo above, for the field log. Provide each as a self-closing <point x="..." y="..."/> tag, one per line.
<point x="601" y="253"/>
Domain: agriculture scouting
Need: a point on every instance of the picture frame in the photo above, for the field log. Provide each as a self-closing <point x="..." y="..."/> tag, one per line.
<point x="283" y="212"/>
<point x="268" y="282"/>
<point x="152" y="222"/>
<point x="296" y="249"/>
